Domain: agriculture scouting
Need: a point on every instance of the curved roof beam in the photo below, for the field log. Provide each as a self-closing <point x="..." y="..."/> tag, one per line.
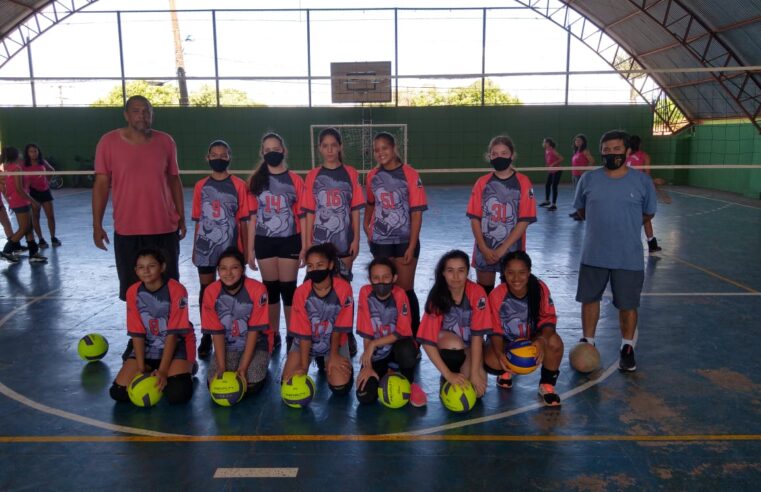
<point x="39" y="20"/>
<point x="598" y="40"/>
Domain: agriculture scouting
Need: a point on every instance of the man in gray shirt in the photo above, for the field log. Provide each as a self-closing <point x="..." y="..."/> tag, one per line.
<point x="614" y="200"/>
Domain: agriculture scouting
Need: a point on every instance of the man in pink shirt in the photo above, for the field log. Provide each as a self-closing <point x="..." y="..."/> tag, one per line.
<point x="139" y="165"/>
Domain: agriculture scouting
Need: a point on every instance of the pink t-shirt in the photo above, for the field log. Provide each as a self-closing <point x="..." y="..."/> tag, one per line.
<point x="15" y="198"/>
<point x="637" y="159"/>
<point x="579" y="159"/>
<point x="40" y="182"/>
<point x="142" y="199"/>
<point x="551" y="159"/>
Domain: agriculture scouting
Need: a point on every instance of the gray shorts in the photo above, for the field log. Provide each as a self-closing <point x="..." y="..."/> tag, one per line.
<point x="257" y="370"/>
<point x="625" y="284"/>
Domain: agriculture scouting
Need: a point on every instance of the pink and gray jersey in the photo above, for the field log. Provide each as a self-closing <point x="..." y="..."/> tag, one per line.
<point x="315" y="318"/>
<point x="510" y="316"/>
<point x="155" y="315"/>
<point x="331" y="195"/>
<point x="499" y="204"/>
<point x="377" y="318"/>
<point x="218" y="207"/>
<point x="469" y="318"/>
<point x="235" y="315"/>
<point x="395" y="194"/>
<point x="278" y="207"/>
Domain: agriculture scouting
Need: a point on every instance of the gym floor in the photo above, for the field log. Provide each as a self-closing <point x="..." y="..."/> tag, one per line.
<point x="688" y="419"/>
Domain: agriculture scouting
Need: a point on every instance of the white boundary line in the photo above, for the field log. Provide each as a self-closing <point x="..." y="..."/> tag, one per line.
<point x="714" y="199"/>
<point x="256" y="473"/>
<point x="503" y="415"/>
<point x="13" y="395"/>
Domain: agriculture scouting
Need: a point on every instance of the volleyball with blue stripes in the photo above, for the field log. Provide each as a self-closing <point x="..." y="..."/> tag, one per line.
<point x="143" y="392"/>
<point x="92" y="347"/>
<point x="227" y="389"/>
<point x="521" y="356"/>
<point x="298" y="391"/>
<point x="458" y="399"/>
<point x="394" y="390"/>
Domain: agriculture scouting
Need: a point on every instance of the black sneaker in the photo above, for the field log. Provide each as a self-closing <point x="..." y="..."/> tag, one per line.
<point x="55" y="241"/>
<point x="652" y="246"/>
<point x="544" y="203"/>
<point x="17" y="247"/>
<point x="43" y="244"/>
<point x="38" y="258"/>
<point x="552" y="208"/>
<point x="352" y="345"/>
<point x="204" y="348"/>
<point x="627" y="363"/>
<point x="9" y="257"/>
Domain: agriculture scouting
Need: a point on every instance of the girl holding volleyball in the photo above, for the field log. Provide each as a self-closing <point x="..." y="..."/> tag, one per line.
<point x="521" y="307"/>
<point x="235" y="314"/>
<point x="276" y="242"/>
<point x="501" y="208"/>
<point x="163" y="342"/>
<point x="395" y="204"/>
<point x="322" y="319"/>
<point x="455" y="321"/>
<point x="383" y="321"/>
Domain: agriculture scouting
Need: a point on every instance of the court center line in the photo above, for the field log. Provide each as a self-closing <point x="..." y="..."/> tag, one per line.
<point x="339" y="438"/>
<point x="13" y="395"/>
<point x="256" y="472"/>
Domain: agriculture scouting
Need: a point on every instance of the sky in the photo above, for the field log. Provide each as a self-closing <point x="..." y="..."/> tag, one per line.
<point x="274" y="44"/>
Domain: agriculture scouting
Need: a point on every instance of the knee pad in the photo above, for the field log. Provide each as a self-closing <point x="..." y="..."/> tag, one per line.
<point x="118" y="392"/>
<point x="254" y="388"/>
<point x="343" y="389"/>
<point x="454" y="359"/>
<point x="179" y="388"/>
<point x="273" y="290"/>
<point x="286" y="292"/>
<point x="405" y="353"/>
<point x="368" y="394"/>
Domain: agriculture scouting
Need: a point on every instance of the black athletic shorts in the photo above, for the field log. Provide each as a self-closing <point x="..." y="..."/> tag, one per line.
<point x="22" y="210"/>
<point x="392" y="250"/>
<point x="125" y="251"/>
<point x="41" y="196"/>
<point x="277" y="247"/>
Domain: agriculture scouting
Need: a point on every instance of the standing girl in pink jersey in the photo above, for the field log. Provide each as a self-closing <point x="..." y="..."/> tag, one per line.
<point x="395" y="204"/>
<point x="639" y="159"/>
<point x="276" y="241"/>
<point x="581" y="157"/>
<point x="500" y="209"/>
<point x="39" y="190"/>
<point x="17" y="192"/>
<point x="552" y="159"/>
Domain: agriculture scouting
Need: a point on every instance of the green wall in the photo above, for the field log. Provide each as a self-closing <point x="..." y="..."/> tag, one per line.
<point x="439" y="137"/>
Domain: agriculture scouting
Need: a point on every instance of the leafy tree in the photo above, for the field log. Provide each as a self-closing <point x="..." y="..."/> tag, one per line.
<point x="169" y="95"/>
<point x="463" y="96"/>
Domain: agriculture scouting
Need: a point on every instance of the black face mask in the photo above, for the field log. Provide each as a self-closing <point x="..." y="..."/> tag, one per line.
<point x="382" y="290"/>
<point x="613" y="161"/>
<point x="501" y="163"/>
<point x="219" y="165"/>
<point x="317" y="276"/>
<point x="234" y="287"/>
<point x="274" y="158"/>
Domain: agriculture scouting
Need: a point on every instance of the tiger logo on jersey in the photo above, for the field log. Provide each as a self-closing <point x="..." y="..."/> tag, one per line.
<point x="383" y="318"/>
<point x="274" y="215"/>
<point x="332" y="214"/>
<point x="458" y="321"/>
<point x="392" y="218"/>
<point x="216" y="227"/>
<point x="234" y="314"/>
<point x="320" y="311"/>
<point x="154" y="313"/>
<point x="513" y="314"/>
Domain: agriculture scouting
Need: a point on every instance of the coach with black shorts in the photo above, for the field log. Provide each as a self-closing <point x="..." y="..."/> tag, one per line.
<point x="140" y="165"/>
<point x="614" y="200"/>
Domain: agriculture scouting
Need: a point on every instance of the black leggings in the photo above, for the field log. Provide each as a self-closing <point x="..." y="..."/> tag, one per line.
<point x="553" y="179"/>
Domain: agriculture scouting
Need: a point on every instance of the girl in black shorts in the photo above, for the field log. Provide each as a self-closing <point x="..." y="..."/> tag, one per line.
<point x="39" y="189"/>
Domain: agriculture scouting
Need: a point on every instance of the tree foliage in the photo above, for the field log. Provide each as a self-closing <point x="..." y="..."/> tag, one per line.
<point x="463" y="96"/>
<point x="169" y="95"/>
